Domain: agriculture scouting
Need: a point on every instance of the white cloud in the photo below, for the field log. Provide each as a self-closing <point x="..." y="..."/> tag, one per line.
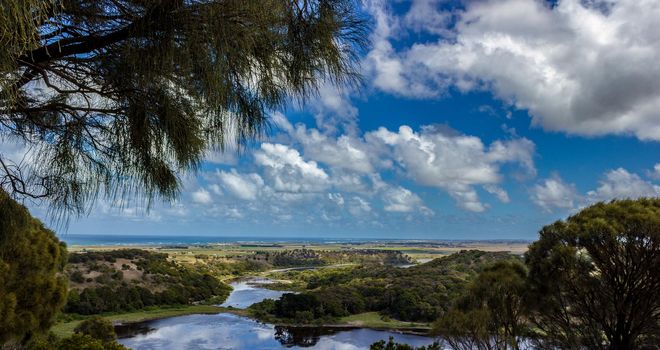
<point x="577" y="67"/>
<point x="228" y="156"/>
<point x="336" y="198"/>
<point x="621" y="184"/>
<point x="498" y="192"/>
<point x="402" y="200"/>
<point x="389" y="72"/>
<point x="288" y="171"/>
<point x="655" y="173"/>
<point x="202" y="196"/>
<point x="343" y="152"/>
<point x="359" y="207"/>
<point x="455" y="163"/>
<point x="243" y="186"/>
<point x="334" y="110"/>
<point x="425" y="16"/>
<point x="554" y="193"/>
<point x="215" y="189"/>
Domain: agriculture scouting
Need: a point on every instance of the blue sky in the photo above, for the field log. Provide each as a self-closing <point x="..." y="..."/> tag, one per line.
<point x="476" y="120"/>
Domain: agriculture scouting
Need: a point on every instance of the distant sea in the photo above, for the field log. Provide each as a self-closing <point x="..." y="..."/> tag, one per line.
<point x="137" y="240"/>
<point x="124" y="240"/>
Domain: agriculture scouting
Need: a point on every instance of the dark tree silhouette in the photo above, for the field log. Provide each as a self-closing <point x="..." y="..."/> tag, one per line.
<point x="596" y="276"/>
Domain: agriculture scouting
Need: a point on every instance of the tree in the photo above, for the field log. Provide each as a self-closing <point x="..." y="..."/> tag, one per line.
<point x="392" y="345"/>
<point x="86" y="342"/>
<point x="32" y="288"/>
<point x="97" y="327"/>
<point x="595" y="278"/>
<point x="117" y="97"/>
<point x="491" y="314"/>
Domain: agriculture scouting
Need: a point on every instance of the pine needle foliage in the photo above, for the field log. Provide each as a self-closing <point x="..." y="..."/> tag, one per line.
<point x="32" y="289"/>
<point x="117" y="98"/>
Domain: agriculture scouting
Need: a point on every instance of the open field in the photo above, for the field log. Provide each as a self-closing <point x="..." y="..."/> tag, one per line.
<point x="414" y="249"/>
<point x="375" y="320"/>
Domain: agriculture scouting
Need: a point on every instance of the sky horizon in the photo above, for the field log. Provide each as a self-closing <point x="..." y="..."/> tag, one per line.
<point x="475" y="120"/>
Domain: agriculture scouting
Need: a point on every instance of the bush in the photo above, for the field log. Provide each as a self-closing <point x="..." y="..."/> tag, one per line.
<point x="32" y="288"/>
<point x="98" y="328"/>
<point x="77" y="276"/>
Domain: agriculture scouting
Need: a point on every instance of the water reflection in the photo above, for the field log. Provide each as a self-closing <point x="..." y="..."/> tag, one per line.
<point x="248" y="292"/>
<point x="227" y="331"/>
<point x="304" y="336"/>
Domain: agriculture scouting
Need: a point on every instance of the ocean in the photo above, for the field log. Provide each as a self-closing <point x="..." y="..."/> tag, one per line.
<point x="127" y="240"/>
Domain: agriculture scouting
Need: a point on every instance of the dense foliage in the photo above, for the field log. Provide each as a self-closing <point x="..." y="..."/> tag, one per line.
<point x="94" y="333"/>
<point x="98" y="328"/>
<point x="392" y="345"/>
<point x="155" y="280"/>
<point x="202" y="73"/>
<point x="31" y="257"/>
<point x="491" y="312"/>
<point x="590" y="282"/>
<point x="310" y="257"/>
<point x="418" y="293"/>
<point x="595" y="277"/>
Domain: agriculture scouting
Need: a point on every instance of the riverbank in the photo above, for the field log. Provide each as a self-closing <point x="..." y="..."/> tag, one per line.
<point x="65" y="329"/>
<point x="368" y="320"/>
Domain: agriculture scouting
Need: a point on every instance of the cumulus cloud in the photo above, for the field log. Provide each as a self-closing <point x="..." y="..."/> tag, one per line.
<point x="655" y="172"/>
<point x="581" y="67"/>
<point x="202" y="196"/>
<point x="391" y="73"/>
<point x="402" y="200"/>
<point x="425" y="16"/>
<point x="455" y="163"/>
<point x="243" y="186"/>
<point x="553" y="193"/>
<point x="288" y="171"/>
<point x="344" y="152"/>
<point x="621" y="184"/>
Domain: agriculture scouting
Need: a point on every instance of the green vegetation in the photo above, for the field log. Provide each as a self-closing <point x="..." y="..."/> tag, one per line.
<point x="392" y="345"/>
<point x="595" y="278"/>
<point x="69" y="322"/>
<point x="74" y="342"/>
<point x="309" y="257"/>
<point x="416" y="294"/>
<point x="31" y="258"/>
<point x="376" y="320"/>
<point x="132" y="279"/>
<point x="489" y="315"/>
<point x="590" y="282"/>
<point x="98" y="328"/>
<point x="95" y="333"/>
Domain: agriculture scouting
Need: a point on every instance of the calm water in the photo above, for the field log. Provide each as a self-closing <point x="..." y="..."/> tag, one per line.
<point x="248" y="292"/>
<point x="228" y="331"/>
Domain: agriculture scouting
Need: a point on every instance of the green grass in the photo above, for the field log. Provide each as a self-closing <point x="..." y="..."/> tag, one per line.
<point x="65" y="329"/>
<point x="375" y="320"/>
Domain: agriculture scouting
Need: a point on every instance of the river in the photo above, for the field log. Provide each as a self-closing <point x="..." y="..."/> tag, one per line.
<point x="228" y="331"/>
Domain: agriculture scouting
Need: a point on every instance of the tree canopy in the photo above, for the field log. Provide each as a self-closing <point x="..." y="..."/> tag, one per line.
<point x="491" y="312"/>
<point x="31" y="292"/>
<point x="118" y="97"/>
<point x="595" y="278"/>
